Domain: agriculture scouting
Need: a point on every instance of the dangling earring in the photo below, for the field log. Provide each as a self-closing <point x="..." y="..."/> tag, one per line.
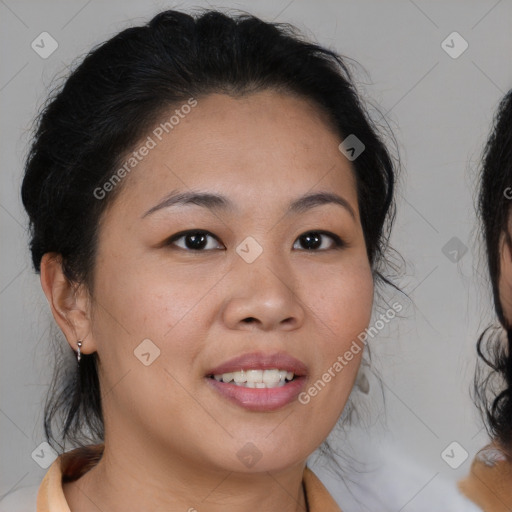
<point x="362" y="382"/>
<point x="79" y="355"/>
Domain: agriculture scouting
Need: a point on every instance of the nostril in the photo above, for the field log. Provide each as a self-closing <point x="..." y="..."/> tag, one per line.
<point x="249" y="319"/>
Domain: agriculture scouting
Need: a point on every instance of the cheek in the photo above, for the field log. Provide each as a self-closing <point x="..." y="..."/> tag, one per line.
<point x="151" y="301"/>
<point x="343" y="306"/>
<point x="341" y="311"/>
<point x="136" y="303"/>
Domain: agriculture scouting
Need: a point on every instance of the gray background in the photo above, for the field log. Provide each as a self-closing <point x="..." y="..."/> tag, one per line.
<point x="440" y="109"/>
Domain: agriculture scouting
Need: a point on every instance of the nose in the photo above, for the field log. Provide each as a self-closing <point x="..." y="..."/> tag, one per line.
<point x="262" y="297"/>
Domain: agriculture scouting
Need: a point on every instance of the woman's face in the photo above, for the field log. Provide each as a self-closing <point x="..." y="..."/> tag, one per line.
<point x="505" y="274"/>
<point x="167" y="311"/>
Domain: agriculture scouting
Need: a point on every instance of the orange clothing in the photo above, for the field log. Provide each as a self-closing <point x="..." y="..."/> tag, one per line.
<point x="489" y="483"/>
<point x="72" y="465"/>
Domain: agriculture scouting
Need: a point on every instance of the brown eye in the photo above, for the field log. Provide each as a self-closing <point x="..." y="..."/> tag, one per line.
<point x="315" y="240"/>
<point x="194" y="241"/>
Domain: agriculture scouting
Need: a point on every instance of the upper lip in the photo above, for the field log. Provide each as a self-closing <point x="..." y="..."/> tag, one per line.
<point x="261" y="361"/>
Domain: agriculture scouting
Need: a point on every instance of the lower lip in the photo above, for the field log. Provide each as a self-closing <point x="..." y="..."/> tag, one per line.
<point x="259" y="399"/>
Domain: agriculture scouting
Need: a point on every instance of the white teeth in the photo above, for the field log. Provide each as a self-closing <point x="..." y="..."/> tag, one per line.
<point x="257" y="378"/>
<point x="227" y="377"/>
<point x="272" y="376"/>
<point x="239" y="377"/>
<point x="254" y="375"/>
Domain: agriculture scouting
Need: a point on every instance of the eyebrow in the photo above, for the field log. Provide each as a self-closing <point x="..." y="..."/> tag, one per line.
<point x="220" y="202"/>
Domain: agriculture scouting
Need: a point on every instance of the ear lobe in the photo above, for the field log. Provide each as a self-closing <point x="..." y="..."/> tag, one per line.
<point x="505" y="277"/>
<point x="69" y="302"/>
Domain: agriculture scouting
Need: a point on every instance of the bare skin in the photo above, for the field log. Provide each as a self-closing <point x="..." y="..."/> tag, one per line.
<point x="171" y="441"/>
<point x="505" y="277"/>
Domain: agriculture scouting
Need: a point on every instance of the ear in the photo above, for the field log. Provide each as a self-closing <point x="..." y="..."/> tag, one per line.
<point x="505" y="277"/>
<point x="69" y="302"/>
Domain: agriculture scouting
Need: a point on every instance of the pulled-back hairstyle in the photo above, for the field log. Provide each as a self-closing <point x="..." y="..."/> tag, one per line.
<point x="112" y="100"/>
<point x="493" y="390"/>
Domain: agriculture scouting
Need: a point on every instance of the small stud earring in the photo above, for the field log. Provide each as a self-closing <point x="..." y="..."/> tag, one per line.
<point x="79" y="355"/>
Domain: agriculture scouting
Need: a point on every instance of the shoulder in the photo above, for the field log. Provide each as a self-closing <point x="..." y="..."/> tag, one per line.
<point x="488" y="482"/>
<point x="23" y="499"/>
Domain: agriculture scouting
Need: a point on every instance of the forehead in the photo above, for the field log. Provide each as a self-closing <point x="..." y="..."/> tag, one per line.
<point x="259" y="148"/>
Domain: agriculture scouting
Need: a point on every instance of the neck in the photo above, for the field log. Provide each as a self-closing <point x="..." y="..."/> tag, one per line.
<point x="131" y="479"/>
